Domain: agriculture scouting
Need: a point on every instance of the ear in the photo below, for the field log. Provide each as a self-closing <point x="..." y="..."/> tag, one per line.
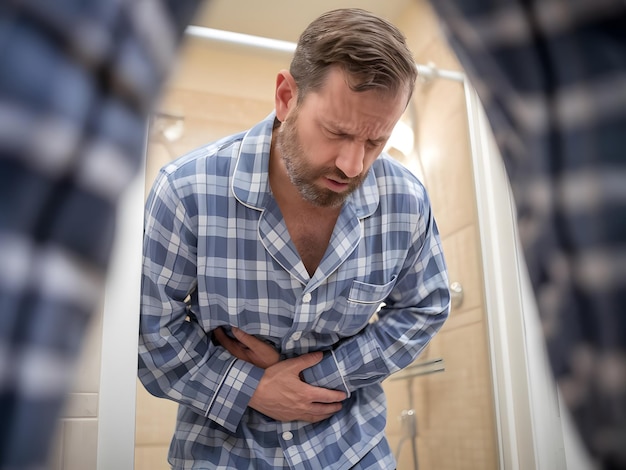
<point x="286" y="94"/>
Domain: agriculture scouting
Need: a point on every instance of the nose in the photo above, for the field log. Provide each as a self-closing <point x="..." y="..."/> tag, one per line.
<point x="350" y="158"/>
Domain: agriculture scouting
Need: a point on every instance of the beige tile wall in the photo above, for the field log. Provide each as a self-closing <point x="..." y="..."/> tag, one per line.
<point x="155" y="419"/>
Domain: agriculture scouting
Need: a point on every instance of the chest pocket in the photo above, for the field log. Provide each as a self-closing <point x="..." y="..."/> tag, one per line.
<point x="363" y="300"/>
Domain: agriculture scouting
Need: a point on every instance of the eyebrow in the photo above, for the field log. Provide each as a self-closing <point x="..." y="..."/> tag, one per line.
<point x="337" y="129"/>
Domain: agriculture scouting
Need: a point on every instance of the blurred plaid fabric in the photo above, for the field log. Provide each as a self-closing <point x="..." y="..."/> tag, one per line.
<point x="77" y="81"/>
<point x="552" y="77"/>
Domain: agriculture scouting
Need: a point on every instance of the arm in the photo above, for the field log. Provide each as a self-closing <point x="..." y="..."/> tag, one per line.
<point x="176" y="357"/>
<point x="414" y="311"/>
<point x="281" y="393"/>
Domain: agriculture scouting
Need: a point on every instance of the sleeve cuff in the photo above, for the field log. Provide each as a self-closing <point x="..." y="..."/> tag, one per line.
<point x="233" y="394"/>
<point x="327" y="374"/>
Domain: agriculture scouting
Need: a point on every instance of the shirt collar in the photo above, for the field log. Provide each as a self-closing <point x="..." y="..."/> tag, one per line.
<point x="251" y="180"/>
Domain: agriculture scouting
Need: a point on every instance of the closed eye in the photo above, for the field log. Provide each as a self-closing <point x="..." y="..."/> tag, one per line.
<point x="375" y="143"/>
<point x="338" y="135"/>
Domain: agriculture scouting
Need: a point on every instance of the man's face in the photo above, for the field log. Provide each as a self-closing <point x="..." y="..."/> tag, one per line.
<point x="329" y="141"/>
<point x="305" y="174"/>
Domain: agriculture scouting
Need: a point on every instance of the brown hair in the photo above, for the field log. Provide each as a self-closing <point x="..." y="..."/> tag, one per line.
<point x="370" y="50"/>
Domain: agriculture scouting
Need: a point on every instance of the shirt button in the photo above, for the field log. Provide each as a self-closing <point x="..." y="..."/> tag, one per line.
<point x="306" y="298"/>
<point x="287" y="436"/>
<point x="296" y="336"/>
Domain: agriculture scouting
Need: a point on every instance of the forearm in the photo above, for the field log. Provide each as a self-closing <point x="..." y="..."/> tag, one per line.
<point x="414" y="311"/>
<point x="177" y="359"/>
<point x="185" y="367"/>
<point x="382" y="348"/>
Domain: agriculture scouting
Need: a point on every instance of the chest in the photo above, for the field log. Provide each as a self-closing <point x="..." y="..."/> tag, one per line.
<point x="310" y="233"/>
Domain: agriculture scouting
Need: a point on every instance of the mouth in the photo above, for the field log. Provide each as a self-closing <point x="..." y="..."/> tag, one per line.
<point x="337" y="186"/>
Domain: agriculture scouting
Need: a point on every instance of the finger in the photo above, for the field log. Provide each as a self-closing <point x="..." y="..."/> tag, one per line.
<point x="231" y="345"/>
<point x="245" y="338"/>
<point x="325" y="396"/>
<point x="321" y="412"/>
<point x="220" y="336"/>
<point x="224" y="339"/>
<point x="325" y="409"/>
<point x="305" y="361"/>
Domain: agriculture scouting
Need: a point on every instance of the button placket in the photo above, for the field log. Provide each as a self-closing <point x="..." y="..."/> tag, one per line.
<point x="306" y="299"/>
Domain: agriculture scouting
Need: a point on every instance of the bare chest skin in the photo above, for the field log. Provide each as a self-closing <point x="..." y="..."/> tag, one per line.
<point x="310" y="231"/>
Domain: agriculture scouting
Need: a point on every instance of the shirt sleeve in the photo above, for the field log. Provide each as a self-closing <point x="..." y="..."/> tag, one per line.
<point x="414" y="311"/>
<point x="177" y="359"/>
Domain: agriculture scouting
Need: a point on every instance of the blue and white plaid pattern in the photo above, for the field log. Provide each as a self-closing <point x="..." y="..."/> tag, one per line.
<point x="213" y="229"/>
<point x="77" y="80"/>
<point x="552" y="77"/>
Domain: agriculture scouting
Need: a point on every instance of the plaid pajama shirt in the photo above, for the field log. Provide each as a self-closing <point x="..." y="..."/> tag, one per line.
<point x="214" y="230"/>
<point x="552" y="77"/>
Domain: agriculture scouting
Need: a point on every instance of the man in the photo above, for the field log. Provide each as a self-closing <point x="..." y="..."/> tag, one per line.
<point x="553" y="82"/>
<point x="268" y="253"/>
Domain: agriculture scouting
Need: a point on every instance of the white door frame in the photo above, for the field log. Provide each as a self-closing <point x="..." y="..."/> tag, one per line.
<point x="531" y="431"/>
<point x="120" y="333"/>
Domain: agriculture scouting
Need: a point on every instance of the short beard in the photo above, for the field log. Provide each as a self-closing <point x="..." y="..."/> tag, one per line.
<point x="301" y="173"/>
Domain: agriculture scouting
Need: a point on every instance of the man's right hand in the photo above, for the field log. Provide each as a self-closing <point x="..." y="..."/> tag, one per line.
<point x="282" y="395"/>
